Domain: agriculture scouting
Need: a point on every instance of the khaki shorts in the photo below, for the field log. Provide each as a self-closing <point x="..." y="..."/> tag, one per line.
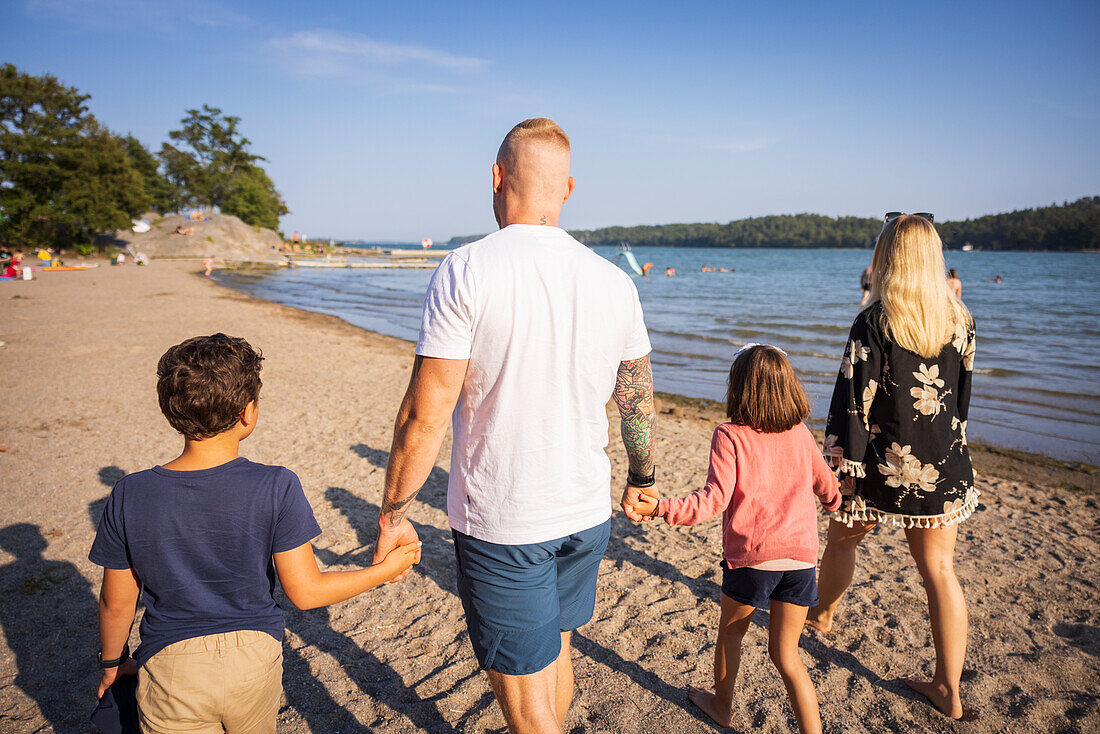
<point x="230" y="682"/>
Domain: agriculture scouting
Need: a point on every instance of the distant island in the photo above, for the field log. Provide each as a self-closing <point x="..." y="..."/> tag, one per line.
<point x="1069" y="226"/>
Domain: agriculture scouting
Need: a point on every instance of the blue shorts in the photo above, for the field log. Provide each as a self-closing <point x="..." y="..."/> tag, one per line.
<point x="520" y="598"/>
<point x="758" y="588"/>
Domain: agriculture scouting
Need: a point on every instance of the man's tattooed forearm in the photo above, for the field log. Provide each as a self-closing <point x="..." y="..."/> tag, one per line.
<point x="634" y="397"/>
<point x="394" y="512"/>
<point x="638" y="439"/>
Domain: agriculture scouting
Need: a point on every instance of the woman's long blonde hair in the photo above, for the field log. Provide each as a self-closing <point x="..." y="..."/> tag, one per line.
<point x="908" y="276"/>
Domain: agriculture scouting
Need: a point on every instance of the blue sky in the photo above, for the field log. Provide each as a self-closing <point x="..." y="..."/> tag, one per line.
<point x="380" y="120"/>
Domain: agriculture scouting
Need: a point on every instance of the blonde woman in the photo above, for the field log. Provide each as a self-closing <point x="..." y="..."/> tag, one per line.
<point x="897" y="429"/>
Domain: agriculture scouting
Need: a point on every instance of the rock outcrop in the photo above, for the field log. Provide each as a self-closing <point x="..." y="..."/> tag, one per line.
<point x="223" y="235"/>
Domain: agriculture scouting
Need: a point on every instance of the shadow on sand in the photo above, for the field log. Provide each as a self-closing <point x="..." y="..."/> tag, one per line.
<point x="54" y="647"/>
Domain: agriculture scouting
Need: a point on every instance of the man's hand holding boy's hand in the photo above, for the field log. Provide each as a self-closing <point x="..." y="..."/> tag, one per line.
<point x="110" y="675"/>
<point x="390" y="538"/>
<point x="399" y="560"/>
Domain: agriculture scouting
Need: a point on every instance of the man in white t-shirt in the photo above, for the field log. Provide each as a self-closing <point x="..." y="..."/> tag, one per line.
<point x="525" y="335"/>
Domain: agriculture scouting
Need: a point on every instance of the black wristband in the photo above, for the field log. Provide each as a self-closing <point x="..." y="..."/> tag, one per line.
<point x="113" y="663"/>
<point x="639" y="480"/>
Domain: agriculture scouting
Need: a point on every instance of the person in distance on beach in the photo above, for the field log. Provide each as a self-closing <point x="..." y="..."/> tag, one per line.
<point x="765" y="469"/>
<point x="897" y="429"/>
<point x="198" y="536"/>
<point x="529" y="333"/>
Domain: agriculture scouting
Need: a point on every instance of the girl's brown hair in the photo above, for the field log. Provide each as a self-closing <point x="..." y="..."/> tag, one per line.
<point x="764" y="392"/>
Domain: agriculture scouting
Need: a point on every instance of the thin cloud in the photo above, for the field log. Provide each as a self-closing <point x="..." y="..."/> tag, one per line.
<point x="332" y="53"/>
<point x="743" y="146"/>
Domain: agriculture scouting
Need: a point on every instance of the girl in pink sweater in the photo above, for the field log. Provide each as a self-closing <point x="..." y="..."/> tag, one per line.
<point x="765" y="469"/>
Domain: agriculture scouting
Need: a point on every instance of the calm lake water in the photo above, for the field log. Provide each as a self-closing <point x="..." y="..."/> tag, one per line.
<point x="1037" y="372"/>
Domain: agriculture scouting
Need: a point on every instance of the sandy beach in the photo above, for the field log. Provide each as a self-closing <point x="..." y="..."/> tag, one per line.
<point x="78" y="365"/>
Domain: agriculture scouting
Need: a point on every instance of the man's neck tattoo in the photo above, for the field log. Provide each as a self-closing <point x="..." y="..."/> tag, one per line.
<point x="542" y="219"/>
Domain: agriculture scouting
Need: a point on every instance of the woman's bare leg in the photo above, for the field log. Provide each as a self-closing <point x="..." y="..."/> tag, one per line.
<point x="838" y="565"/>
<point x="735" y="621"/>
<point x="784" y="631"/>
<point x="934" y="551"/>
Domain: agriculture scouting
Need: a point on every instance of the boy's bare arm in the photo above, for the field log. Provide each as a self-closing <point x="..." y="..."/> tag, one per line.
<point x="634" y="397"/>
<point x="308" y="587"/>
<point x="118" y="597"/>
<point x="418" y="435"/>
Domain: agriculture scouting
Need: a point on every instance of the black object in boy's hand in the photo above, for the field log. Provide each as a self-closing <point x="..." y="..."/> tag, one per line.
<point x="117" y="712"/>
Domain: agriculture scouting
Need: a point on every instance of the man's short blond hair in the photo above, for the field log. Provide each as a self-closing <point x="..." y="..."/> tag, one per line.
<point x="541" y="129"/>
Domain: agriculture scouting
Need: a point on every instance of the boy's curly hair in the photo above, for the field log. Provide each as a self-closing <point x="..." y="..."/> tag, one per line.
<point x="205" y="382"/>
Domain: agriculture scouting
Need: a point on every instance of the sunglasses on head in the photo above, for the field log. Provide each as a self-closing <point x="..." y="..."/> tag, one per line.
<point x="923" y="215"/>
<point x="750" y="345"/>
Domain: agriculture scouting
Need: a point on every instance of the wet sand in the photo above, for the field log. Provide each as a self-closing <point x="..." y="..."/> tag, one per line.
<point x="78" y="366"/>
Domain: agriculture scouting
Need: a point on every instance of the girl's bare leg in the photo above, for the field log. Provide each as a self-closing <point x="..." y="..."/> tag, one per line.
<point x="838" y="565"/>
<point x="934" y="551"/>
<point x="734" y="623"/>
<point x="784" y="631"/>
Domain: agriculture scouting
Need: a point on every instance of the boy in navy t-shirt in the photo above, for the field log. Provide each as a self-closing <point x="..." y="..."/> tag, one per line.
<point x="199" y="536"/>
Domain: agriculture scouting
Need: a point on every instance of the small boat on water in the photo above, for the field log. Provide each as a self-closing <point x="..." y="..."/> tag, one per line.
<point x="968" y="247"/>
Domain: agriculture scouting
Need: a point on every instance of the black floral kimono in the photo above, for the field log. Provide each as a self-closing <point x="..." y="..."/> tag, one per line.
<point x="898" y="421"/>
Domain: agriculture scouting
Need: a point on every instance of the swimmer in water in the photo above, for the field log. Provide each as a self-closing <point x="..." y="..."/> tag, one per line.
<point x="865" y="286"/>
<point x="955" y="283"/>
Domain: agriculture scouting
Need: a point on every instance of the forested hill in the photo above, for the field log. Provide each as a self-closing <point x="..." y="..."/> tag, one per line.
<point x="1071" y="226"/>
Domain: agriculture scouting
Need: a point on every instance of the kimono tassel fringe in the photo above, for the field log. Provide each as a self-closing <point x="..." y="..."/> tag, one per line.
<point x="910" y="521"/>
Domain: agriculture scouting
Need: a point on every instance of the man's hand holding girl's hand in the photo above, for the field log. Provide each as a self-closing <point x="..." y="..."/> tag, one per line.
<point x="646" y="506"/>
<point x="640" y="504"/>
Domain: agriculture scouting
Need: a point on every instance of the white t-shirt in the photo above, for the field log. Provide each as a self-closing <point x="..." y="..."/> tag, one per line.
<point x="545" y="323"/>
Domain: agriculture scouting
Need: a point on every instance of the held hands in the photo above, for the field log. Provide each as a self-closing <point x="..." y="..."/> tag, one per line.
<point x="640" y="504"/>
<point x="110" y="675"/>
<point x="647" y="504"/>
<point x="391" y="538"/>
<point x="399" y="560"/>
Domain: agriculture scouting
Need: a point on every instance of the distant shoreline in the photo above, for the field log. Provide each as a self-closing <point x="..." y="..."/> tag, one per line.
<point x="1071" y="226"/>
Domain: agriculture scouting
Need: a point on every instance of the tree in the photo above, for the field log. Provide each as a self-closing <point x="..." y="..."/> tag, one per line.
<point x="253" y="198"/>
<point x="163" y="195"/>
<point x="212" y="167"/>
<point x="63" y="177"/>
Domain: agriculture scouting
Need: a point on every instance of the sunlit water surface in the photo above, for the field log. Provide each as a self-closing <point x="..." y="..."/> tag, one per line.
<point x="1036" y="382"/>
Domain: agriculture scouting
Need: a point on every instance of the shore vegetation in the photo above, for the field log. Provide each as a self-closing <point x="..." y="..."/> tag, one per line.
<point x="65" y="178"/>
<point x="1068" y="226"/>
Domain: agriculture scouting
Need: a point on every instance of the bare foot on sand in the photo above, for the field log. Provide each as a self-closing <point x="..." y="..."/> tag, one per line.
<point x="706" y="701"/>
<point x="950" y="706"/>
<point x="820" y="621"/>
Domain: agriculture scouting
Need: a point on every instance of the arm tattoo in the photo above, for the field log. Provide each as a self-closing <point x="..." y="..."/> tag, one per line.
<point x="634" y="396"/>
<point x="394" y="512"/>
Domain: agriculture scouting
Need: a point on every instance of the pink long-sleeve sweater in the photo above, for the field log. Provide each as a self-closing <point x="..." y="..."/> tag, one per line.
<point x="764" y="484"/>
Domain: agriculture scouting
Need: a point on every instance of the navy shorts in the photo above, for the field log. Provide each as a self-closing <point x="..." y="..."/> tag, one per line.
<point x="758" y="588"/>
<point x="520" y="598"/>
